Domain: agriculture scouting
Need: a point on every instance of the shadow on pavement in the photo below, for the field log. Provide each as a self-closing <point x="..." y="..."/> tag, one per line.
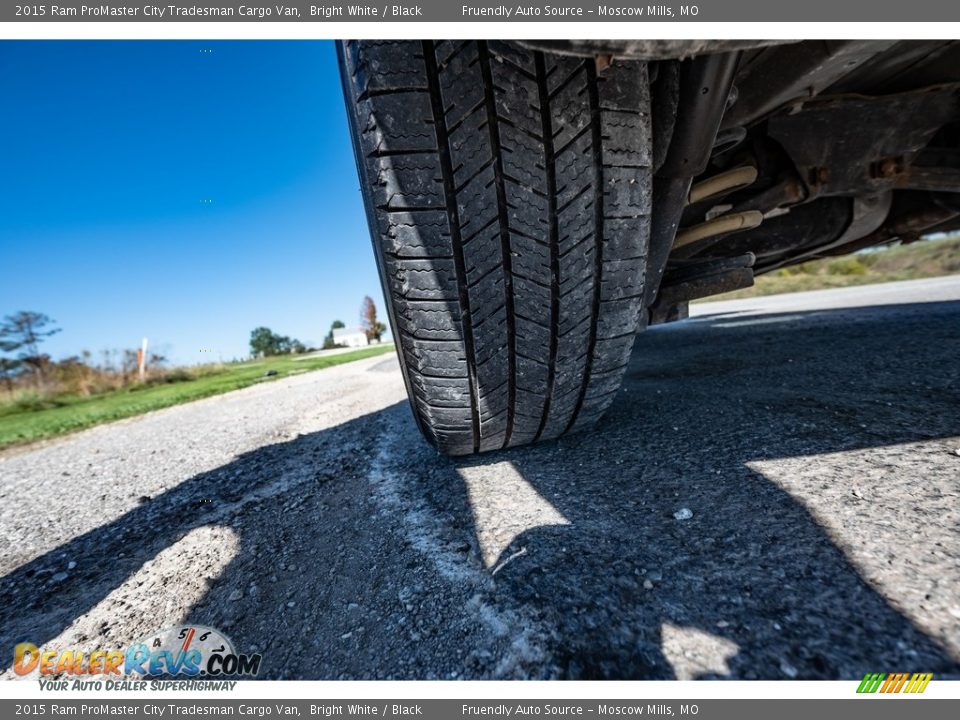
<point x="338" y="569"/>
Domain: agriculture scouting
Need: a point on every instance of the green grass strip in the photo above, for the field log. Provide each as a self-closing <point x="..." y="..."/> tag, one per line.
<point x="25" y="422"/>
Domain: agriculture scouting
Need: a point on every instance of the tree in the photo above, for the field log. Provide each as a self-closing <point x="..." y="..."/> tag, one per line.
<point x="328" y="341"/>
<point x="24" y="331"/>
<point x="38" y="364"/>
<point x="368" y="320"/>
<point x="264" y="343"/>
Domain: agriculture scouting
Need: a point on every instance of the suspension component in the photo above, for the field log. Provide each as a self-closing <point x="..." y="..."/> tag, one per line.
<point x="699" y="279"/>
<point x="699" y="237"/>
<point x="723" y="183"/>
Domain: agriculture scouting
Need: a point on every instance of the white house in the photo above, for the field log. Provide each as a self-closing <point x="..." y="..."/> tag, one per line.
<point x="351" y="337"/>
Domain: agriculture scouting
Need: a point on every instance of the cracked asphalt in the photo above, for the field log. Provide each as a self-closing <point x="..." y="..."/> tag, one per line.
<point x="773" y="495"/>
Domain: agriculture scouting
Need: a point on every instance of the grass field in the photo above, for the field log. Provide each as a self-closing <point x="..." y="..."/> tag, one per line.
<point x="927" y="258"/>
<point x="36" y="417"/>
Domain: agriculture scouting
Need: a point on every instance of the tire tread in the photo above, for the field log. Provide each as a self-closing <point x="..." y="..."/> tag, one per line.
<point x="509" y="196"/>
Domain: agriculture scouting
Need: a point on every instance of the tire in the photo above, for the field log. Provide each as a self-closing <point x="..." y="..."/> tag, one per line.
<point x="508" y="195"/>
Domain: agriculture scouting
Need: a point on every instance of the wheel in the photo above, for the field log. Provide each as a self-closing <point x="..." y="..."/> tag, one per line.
<point x="508" y="196"/>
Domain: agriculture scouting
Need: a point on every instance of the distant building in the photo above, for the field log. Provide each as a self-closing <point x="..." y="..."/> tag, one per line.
<point x="350" y="337"/>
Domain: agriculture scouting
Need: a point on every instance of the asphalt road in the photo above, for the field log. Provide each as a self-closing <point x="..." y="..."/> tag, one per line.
<point x="774" y="494"/>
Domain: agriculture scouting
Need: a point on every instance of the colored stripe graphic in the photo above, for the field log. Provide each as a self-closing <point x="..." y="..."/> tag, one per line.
<point x="898" y="683"/>
<point x="871" y="682"/>
<point x="894" y="682"/>
<point x="918" y="682"/>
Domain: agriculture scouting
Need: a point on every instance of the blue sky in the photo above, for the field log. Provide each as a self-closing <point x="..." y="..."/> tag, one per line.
<point x="183" y="191"/>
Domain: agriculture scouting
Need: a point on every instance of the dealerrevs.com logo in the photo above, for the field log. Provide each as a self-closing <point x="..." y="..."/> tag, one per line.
<point x="191" y="651"/>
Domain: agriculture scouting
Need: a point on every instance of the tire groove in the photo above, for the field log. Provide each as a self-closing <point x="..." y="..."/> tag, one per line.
<point x="475" y="175"/>
<point x="572" y="140"/>
<point x="513" y="66"/>
<point x="483" y="56"/>
<point x="569" y="202"/>
<point x="395" y="153"/>
<point x="597" y="142"/>
<point x="453" y="214"/>
<point x="528" y="186"/>
<point x="473" y="235"/>
<point x="470" y="113"/>
<point x="553" y="234"/>
<point x="366" y="95"/>
<point x="566" y="81"/>
<point x="526" y="236"/>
